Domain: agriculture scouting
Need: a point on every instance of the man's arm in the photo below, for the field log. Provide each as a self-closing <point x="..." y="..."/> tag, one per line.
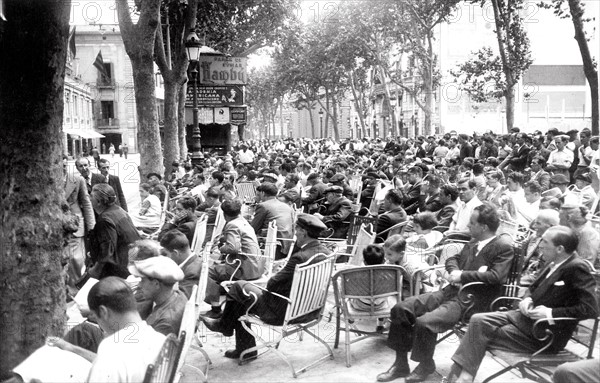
<point x="260" y="214"/>
<point x="500" y="259"/>
<point x="122" y="200"/>
<point x="232" y="240"/>
<point x="83" y="199"/>
<point x="343" y="212"/>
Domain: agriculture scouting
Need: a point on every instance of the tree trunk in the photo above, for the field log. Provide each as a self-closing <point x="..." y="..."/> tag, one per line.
<point x="588" y="63"/>
<point x="33" y="51"/>
<point x="510" y="106"/>
<point x="139" y="44"/>
<point x="312" y="122"/>
<point x="171" y="128"/>
<point x="183" y="150"/>
<point x="386" y="94"/>
<point x="357" y="104"/>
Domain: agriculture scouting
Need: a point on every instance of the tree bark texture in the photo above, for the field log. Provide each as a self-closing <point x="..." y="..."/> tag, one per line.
<point x="139" y="45"/>
<point x="183" y="150"/>
<point x="591" y="73"/>
<point x="33" y="51"/>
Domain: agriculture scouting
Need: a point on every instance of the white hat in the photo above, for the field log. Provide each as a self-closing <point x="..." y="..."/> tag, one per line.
<point x="161" y="268"/>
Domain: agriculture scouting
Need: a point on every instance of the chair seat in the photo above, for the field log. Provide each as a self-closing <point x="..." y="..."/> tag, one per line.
<point x="554" y="359"/>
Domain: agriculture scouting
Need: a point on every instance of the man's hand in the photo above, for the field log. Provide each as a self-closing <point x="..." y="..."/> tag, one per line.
<point x="525" y="306"/>
<point x="319" y="216"/>
<point x="454" y="276"/>
<point x="540" y="312"/>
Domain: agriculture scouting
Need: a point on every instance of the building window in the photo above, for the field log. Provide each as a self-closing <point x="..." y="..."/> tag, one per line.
<point x="108" y="109"/>
<point x="106" y="77"/>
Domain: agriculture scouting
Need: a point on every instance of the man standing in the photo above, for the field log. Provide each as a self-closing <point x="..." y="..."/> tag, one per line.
<point x="561" y="158"/>
<point x="113" y="181"/>
<point x="564" y="288"/>
<point x="268" y="306"/>
<point x="79" y="202"/>
<point x="83" y="166"/>
<point x="417" y="320"/>
<point x="269" y="209"/>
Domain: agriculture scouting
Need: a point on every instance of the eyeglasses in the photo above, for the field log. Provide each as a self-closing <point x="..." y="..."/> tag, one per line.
<point x="104" y="167"/>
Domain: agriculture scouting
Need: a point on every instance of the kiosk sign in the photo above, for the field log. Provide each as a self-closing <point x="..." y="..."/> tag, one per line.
<point x="222" y="70"/>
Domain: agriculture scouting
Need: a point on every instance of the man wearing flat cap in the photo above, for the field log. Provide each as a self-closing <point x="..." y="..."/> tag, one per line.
<point x="340" y="180"/>
<point x="338" y="209"/>
<point x="269" y="307"/>
<point x="158" y="276"/>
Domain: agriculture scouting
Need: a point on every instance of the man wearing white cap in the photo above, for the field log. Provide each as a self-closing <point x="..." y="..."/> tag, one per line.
<point x="159" y="274"/>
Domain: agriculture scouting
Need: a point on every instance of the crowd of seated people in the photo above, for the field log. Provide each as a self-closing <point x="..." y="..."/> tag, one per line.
<point x="465" y="187"/>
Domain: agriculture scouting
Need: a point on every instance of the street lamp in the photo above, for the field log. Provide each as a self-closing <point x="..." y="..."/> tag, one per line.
<point x="193" y="46"/>
<point x="321" y="121"/>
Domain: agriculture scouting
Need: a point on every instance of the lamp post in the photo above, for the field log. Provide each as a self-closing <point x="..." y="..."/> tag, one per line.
<point x="321" y="122"/>
<point x="192" y="46"/>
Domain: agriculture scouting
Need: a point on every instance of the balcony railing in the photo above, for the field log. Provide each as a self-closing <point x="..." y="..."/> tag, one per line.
<point x="107" y="122"/>
<point x="106" y="84"/>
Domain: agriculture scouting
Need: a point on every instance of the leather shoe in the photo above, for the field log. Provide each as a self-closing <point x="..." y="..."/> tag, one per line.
<point x="421" y="372"/>
<point x="215" y="325"/>
<point x="394" y="372"/>
<point x="235" y="354"/>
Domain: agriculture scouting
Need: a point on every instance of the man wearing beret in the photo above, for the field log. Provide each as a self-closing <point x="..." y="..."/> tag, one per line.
<point x="269" y="307"/>
<point x="159" y="275"/>
<point x="338" y="210"/>
<point x="269" y="209"/>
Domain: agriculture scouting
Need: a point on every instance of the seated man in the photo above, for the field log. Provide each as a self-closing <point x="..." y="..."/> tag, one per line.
<point x="532" y="259"/>
<point x="159" y="275"/>
<point x="394" y="214"/>
<point x="239" y="251"/>
<point x="270" y="208"/>
<point x="574" y="215"/>
<point x="337" y="211"/>
<point x="467" y="191"/>
<point x="269" y="307"/>
<point x="184" y="220"/>
<point x="565" y="288"/>
<point x="176" y="246"/>
<point x="130" y="344"/>
<point x="417" y="320"/>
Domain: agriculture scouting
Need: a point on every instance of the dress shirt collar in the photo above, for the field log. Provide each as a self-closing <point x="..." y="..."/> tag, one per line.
<point x="482" y="244"/>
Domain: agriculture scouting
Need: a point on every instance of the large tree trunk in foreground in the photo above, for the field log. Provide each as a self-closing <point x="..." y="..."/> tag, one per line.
<point x="33" y="51"/>
<point x="139" y="45"/>
<point x="183" y="150"/>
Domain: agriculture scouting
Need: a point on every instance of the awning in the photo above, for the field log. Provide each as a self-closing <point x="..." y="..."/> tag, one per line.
<point x="72" y="132"/>
<point x="88" y="133"/>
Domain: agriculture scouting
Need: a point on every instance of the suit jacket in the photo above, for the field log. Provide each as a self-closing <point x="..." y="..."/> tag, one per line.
<point x="543" y="178"/>
<point x="79" y="202"/>
<point x="431" y="203"/>
<point x="387" y="220"/>
<point x="315" y="193"/>
<point x="187" y="226"/>
<point x="115" y="183"/>
<point x="191" y="275"/>
<point x="412" y="198"/>
<point x="335" y="215"/>
<point x="490" y="265"/>
<point x="282" y="213"/>
<point x="569" y="291"/>
<point x="519" y="161"/>
<point x="281" y="283"/>
<point x="239" y="237"/>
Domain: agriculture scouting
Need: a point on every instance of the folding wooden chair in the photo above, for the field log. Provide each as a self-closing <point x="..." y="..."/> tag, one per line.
<point x="355" y="225"/>
<point x="199" y="234"/>
<point x="376" y="283"/>
<point x="164" y="368"/>
<point x="246" y="191"/>
<point x="219" y="225"/>
<point x="305" y="307"/>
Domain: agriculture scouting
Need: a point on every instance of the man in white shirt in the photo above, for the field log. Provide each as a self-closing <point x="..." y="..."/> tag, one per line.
<point x="467" y="190"/>
<point x="561" y="158"/>
<point x="246" y="156"/>
<point x="527" y="211"/>
<point x="131" y="344"/>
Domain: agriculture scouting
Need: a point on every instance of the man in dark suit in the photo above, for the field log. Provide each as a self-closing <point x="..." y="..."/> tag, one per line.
<point x="269" y="209"/>
<point x="564" y="288"/>
<point x="315" y="193"/>
<point x="79" y="202"/>
<point x="394" y="214"/>
<point x="518" y="160"/>
<point x="417" y="320"/>
<point x="431" y="189"/>
<point x="113" y="181"/>
<point x="83" y="166"/>
<point x="339" y="208"/>
<point x="269" y="307"/>
<point x="184" y="220"/>
<point x="466" y="149"/>
<point x="412" y="191"/>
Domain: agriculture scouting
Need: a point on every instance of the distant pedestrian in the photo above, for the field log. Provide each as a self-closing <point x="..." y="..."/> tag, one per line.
<point x="96" y="154"/>
<point x="103" y="148"/>
<point x="125" y="150"/>
<point x="120" y="151"/>
<point x="111" y="150"/>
